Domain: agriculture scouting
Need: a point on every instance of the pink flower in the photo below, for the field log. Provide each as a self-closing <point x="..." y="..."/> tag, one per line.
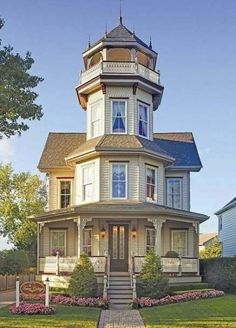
<point x="27" y="308"/>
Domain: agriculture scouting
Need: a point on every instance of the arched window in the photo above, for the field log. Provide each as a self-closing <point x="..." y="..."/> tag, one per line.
<point x="118" y="54"/>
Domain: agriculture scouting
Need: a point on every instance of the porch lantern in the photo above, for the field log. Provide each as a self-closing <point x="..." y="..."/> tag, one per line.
<point x="103" y="232"/>
<point x="134" y="232"/>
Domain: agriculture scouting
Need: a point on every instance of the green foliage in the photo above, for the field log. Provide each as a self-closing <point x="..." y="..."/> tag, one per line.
<point x="17" y="97"/>
<point x="212" y="251"/>
<point x="172" y="254"/>
<point x="220" y="273"/>
<point x="14" y="261"/>
<point x="187" y="287"/>
<point x="83" y="282"/>
<point x="152" y="281"/>
<point x="21" y="195"/>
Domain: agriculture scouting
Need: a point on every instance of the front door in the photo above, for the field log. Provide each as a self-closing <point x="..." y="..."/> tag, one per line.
<point x="118" y="246"/>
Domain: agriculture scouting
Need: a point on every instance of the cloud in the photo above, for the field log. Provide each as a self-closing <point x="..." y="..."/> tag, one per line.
<point x="6" y="150"/>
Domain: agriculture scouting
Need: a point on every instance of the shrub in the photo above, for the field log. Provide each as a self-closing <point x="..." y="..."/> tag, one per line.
<point x="83" y="282"/>
<point x="220" y="273"/>
<point x="172" y="254"/>
<point x="188" y="287"/>
<point x="14" y="261"/>
<point x="152" y="281"/>
<point x="35" y="308"/>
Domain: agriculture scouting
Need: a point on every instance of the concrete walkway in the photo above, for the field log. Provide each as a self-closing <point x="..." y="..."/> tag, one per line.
<point x="7" y="298"/>
<point x="121" y="319"/>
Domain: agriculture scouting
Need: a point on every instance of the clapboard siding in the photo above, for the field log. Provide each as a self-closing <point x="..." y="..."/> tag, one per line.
<point x="228" y="233"/>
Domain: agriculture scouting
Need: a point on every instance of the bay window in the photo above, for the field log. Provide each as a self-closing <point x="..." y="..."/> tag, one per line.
<point x="150" y="239"/>
<point x="151" y="183"/>
<point x="174" y="192"/>
<point x="95" y="109"/>
<point x="119" y="116"/>
<point x="179" y="239"/>
<point x="64" y="193"/>
<point x="88" y="181"/>
<point x="58" y="242"/>
<point x="143" y="120"/>
<point x="119" y="180"/>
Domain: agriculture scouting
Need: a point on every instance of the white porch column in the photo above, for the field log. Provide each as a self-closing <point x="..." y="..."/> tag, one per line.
<point x="157" y="223"/>
<point x="81" y="223"/>
<point x="39" y="229"/>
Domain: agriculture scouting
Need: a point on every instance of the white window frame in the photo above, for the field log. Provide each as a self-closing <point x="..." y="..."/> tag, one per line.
<point x="126" y="118"/>
<point x="155" y="190"/>
<point x="59" y="190"/>
<point x="65" y="234"/>
<point x="126" y="180"/>
<point x="83" y="193"/>
<point x="148" y="118"/>
<point x="146" y="245"/>
<point x="84" y="245"/>
<point x="181" y="192"/>
<point x="186" y="240"/>
<point x="99" y="117"/>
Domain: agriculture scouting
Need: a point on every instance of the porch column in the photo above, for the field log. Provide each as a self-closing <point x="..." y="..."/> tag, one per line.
<point x="157" y="223"/>
<point x="196" y="247"/>
<point x="81" y="223"/>
<point x="39" y="229"/>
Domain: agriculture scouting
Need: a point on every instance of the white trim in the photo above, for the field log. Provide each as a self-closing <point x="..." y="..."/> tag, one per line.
<point x="156" y="181"/>
<point x="126" y="118"/>
<point x="148" y="119"/>
<point x="181" y="191"/>
<point x="59" y="191"/>
<point x="65" y="238"/>
<point x="126" y="180"/>
<point x="186" y="240"/>
<point x="92" y="165"/>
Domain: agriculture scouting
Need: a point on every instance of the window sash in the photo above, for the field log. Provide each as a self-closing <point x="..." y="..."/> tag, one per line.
<point x="88" y="181"/>
<point x="95" y="109"/>
<point x="179" y="242"/>
<point x="174" y="192"/>
<point x="151" y="184"/>
<point x="65" y="193"/>
<point x="119" y="180"/>
<point x="150" y="239"/>
<point x="143" y="120"/>
<point x="58" y="241"/>
<point x="119" y="116"/>
<point x="87" y="241"/>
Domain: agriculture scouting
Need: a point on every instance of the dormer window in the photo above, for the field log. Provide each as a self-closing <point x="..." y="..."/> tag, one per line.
<point x="119" y="116"/>
<point x="143" y="120"/>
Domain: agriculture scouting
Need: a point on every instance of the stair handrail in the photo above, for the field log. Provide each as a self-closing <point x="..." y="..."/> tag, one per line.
<point x="133" y="277"/>
<point x="108" y="270"/>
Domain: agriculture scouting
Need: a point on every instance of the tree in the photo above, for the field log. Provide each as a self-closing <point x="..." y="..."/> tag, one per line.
<point x="213" y="250"/>
<point x="153" y="283"/>
<point x="21" y="195"/>
<point x="83" y="282"/>
<point x="17" y="98"/>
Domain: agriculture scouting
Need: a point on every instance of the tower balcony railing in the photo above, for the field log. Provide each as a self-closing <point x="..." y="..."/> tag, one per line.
<point x="119" y="67"/>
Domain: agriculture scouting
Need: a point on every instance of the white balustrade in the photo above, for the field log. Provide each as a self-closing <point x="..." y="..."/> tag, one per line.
<point x="90" y="73"/>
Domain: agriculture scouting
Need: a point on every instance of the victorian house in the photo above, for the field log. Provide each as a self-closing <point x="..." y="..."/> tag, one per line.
<point x="119" y="190"/>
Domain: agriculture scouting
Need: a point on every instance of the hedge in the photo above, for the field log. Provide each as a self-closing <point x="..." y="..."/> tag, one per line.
<point x="219" y="273"/>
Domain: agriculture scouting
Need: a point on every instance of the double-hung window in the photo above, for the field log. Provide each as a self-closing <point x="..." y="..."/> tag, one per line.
<point x="150" y="239"/>
<point x="119" y="180"/>
<point x="143" y="120"/>
<point x="95" y="109"/>
<point x="174" y="192"/>
<point x="179" y="240"/>
<point x="88" y="182"/>
<point x="119" y="116"/>
<point x="87" y="241"/>
<point x="65" y="193"/>
<point x="151" y="184"/>
<point x="58" y="242"/>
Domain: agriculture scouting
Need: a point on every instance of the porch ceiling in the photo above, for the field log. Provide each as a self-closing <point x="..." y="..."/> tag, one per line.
<point x="118" y="209"/>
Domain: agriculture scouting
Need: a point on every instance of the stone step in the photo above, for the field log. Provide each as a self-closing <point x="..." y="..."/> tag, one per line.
<point x="119" y="291"/>
<point x="121" y="278"/>
<point x="118" y="274"/>
<point x="119" y="287"/>
<point x="121" y="301"/>
<point x="119" y="306"/>
<point x="120" y="283"/>
<point x="123" y="297"/>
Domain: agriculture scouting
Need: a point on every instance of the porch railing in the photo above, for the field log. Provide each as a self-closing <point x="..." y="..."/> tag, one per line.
<point x="119" y="67"/>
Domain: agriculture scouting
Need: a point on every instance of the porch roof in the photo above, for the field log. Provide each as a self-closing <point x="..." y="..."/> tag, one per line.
<point x="118" y="209"/>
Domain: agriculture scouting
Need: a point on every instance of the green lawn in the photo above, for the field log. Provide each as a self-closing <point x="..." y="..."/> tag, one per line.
<point x="66" y="316"/>
<point x="212" y="313"/>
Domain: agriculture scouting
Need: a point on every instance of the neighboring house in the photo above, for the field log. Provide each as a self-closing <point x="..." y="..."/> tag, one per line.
<point x="205" y="240"/>
<point x="119" y="190"/>
<point x="227" y="228"/>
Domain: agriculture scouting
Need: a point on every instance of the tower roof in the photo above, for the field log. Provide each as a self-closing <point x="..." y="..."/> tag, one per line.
<point x="122" y="34"/>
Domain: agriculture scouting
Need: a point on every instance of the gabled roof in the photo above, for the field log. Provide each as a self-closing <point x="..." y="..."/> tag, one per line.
<point x="121" y="34"/>
<point x="179" y="148"/>
<point x="227" y="207"/>
<point x="205" y="237"/>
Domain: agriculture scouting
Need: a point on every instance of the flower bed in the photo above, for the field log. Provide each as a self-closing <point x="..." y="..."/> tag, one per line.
<point x="80" y="301"/>
<point x="188" y="296"/>
<point x="35" y="308"/>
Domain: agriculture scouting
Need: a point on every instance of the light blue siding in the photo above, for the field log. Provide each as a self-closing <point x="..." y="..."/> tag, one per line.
<point x="227" y="234"/>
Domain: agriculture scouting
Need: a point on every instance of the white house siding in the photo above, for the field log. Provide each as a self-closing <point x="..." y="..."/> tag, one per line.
<point x="185" y="175"/>
<point x="93" y="97"/>
<point x="228" y="233"/>
<point x="54" y="179"/>
<point x="143" y="162"/>
<point x="79" y="181"/>
<point x="132" y="176"/>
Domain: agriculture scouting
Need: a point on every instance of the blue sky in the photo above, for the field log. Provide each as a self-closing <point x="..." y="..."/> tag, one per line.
<point x="197" y="59"/>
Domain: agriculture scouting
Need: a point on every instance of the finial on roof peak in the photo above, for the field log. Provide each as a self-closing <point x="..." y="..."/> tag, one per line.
<point x="150" y="43"/>
<point x="133" y="33"/>
<point x="106" y="29"/>
<point x="121" y="18"/>
<point x="89" y="43"/>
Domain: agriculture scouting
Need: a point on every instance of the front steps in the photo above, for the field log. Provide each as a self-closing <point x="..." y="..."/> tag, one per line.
<point x="120" y="291"/>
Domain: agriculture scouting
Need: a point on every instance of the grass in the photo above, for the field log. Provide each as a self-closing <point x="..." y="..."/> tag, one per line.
<point x="66" y="316"/>
<point x="211" y="313"/>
